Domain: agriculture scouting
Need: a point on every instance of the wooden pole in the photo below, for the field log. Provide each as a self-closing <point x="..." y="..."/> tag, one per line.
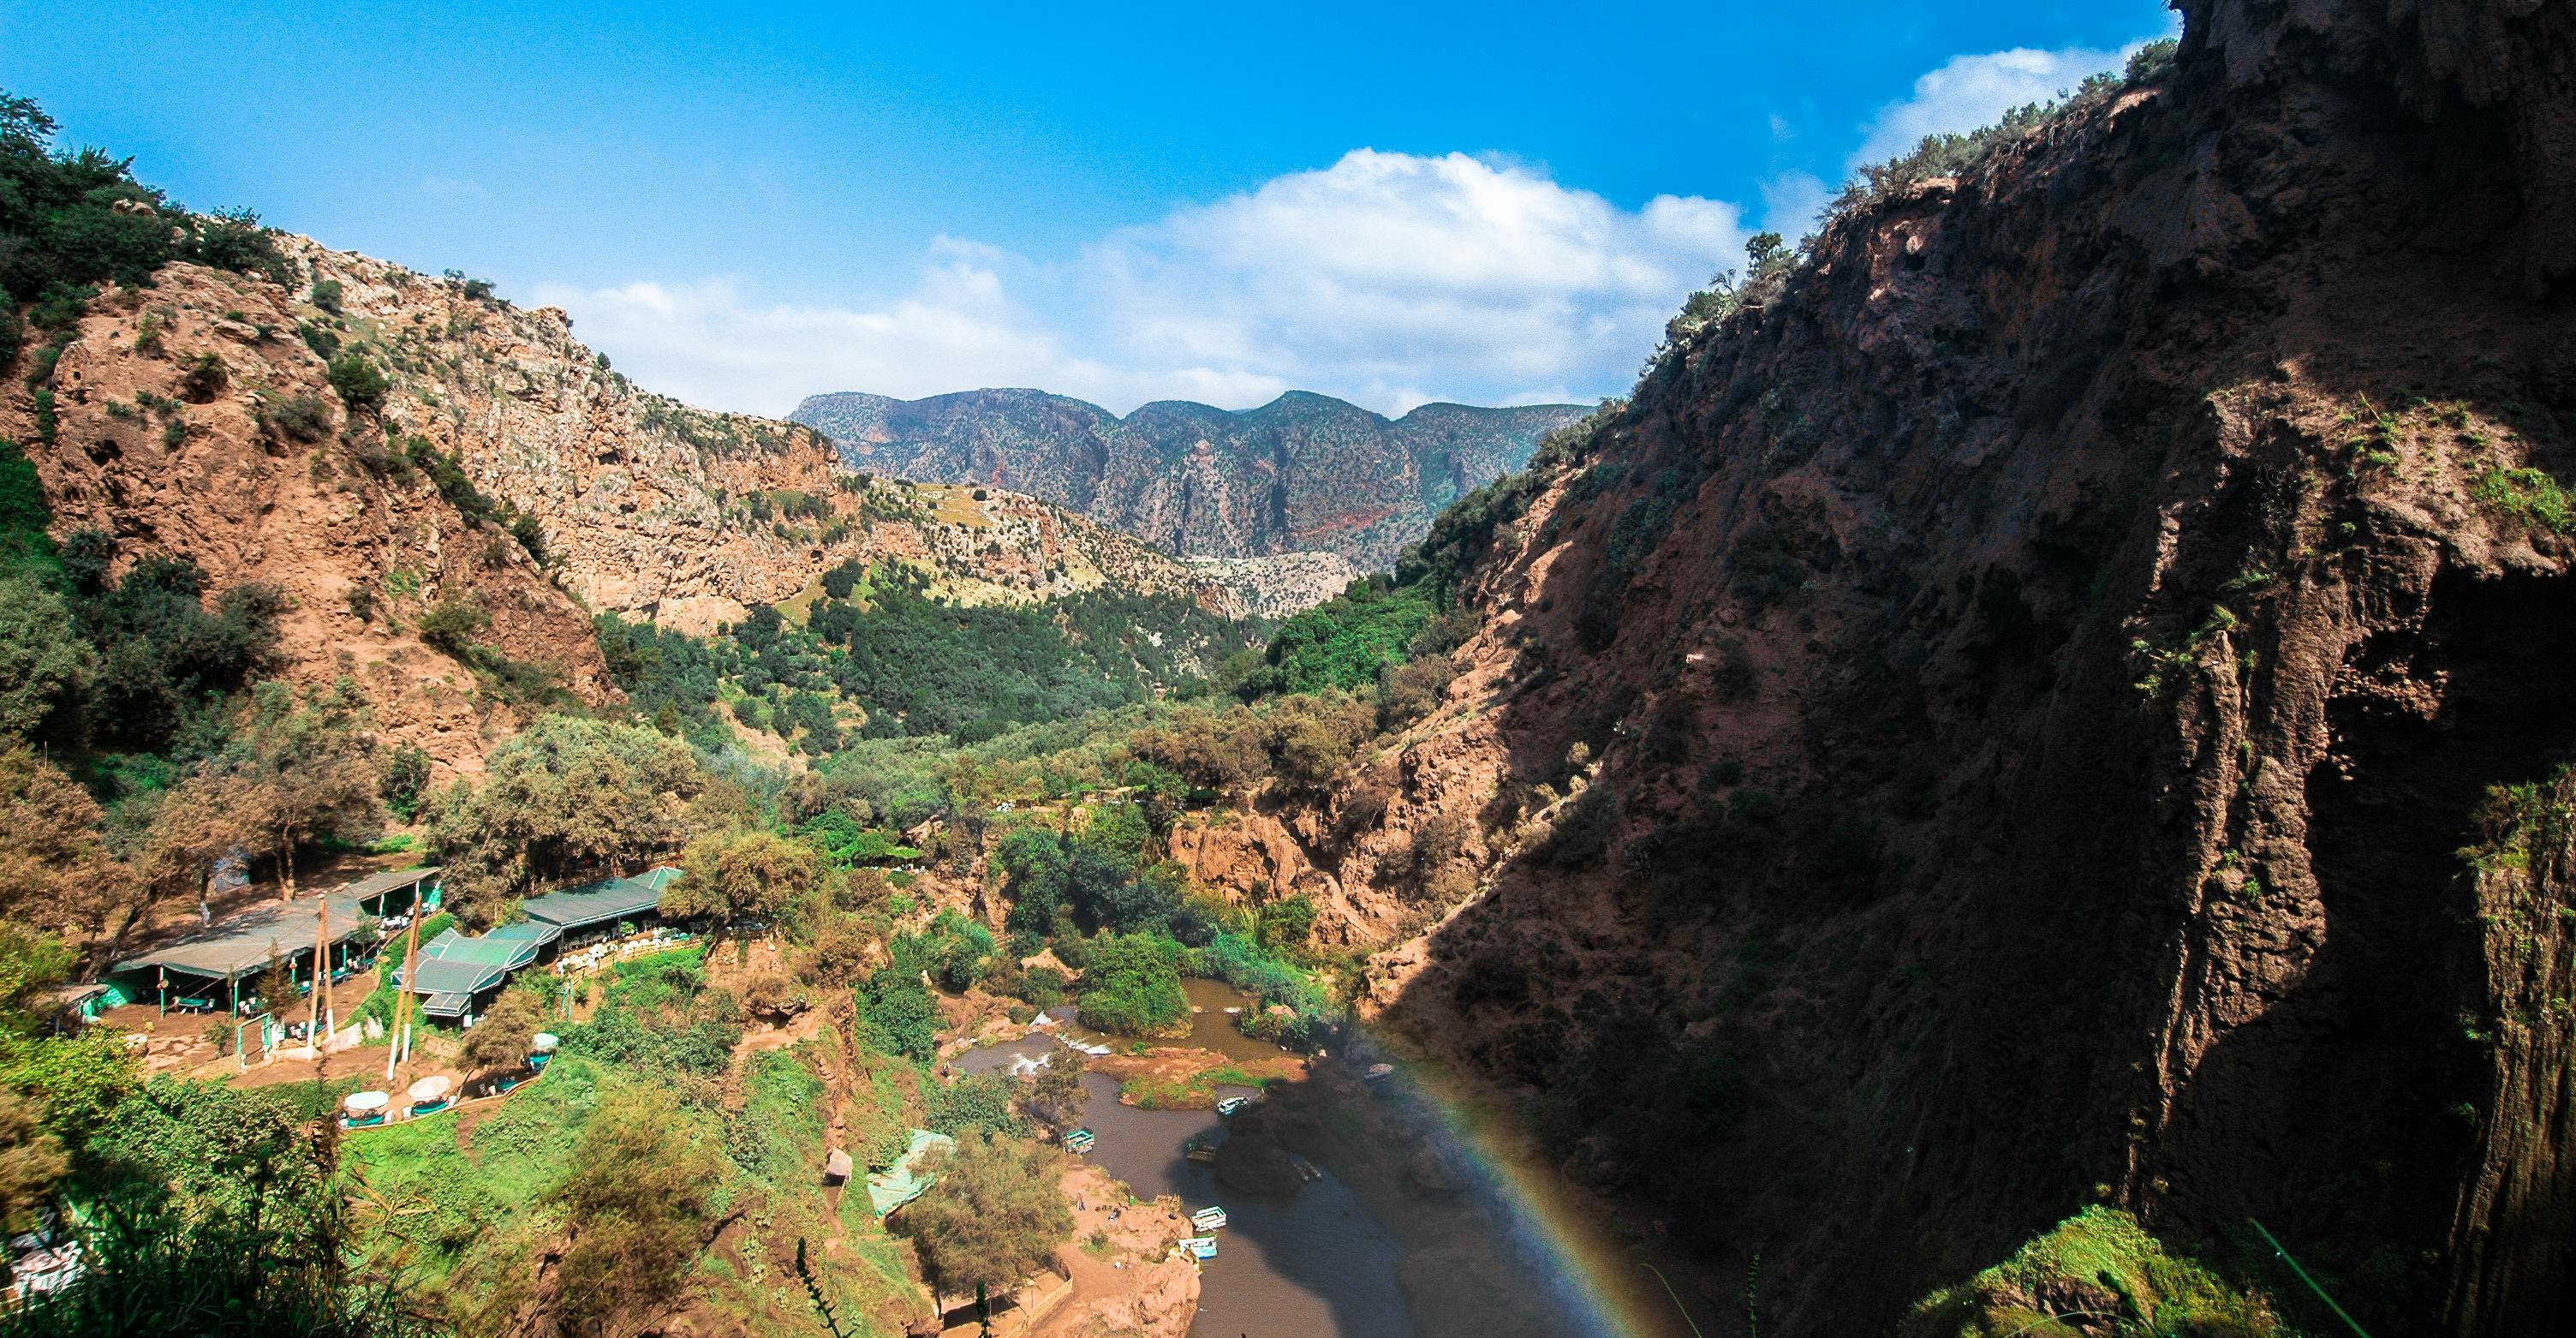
<point x="402" y="988"/>
<point x="321" y="977"/>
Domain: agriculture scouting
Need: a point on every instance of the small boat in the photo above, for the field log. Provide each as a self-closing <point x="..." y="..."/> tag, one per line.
<point x="1233" y="1012"/>
<point x="1200" y="1247"/>
<point x="1378" y="1073"/>
<point x="1305" y="1169"/>
<point x="1201" y="1152"/>
<point x="1232" y="1104"/>
<point x="1080" y="1140"/>
<point x="1208" y="1219"/>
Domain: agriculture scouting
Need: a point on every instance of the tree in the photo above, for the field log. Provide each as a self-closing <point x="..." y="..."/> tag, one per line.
<point x="1055" y="1096"/>
<point x="43" y="661"/>
<point x="311" y="770"/>
<point x="276" y="986"/>
<point x="739" y="875"/>
<point x="362" y="384"/>
<point x="30" y="1160"/>
<point x="1132" y="988"/>
<point x="54" y="870"/>
<point x="192" y="828"/>
<point x="502" y="1038"/>
<point x="898" y="1016"/>
<point x="995" y="1216"/>
<point x="563" y="795"/>
<point x="636" y="1201"/>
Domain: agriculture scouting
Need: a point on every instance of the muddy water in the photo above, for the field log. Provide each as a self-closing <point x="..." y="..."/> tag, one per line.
<point x="1314" y="1264"/>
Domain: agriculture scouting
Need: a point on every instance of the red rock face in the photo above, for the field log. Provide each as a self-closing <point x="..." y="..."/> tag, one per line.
<point x="2028" y="686"/>
<point x="644" y="506"/>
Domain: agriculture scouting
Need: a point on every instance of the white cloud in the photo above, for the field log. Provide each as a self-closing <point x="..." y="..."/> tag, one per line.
<point x="1971" y="91"/>
<point x="1386" y="278"/>
<point x="1791" y="203"/>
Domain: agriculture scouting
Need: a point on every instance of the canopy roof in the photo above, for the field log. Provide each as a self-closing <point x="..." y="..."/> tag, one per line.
<point x="601" y="902"/>
<point x="454" y="964"/>
<point x="239" y="944"/>
<point x="376" y="885"/>
<point x="903" y="1182"/>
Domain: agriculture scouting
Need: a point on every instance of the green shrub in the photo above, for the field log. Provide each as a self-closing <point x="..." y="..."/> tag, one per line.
<point x="362" y="384"/>
<point x="298" y="418"/>
<point x="453" y="623"/>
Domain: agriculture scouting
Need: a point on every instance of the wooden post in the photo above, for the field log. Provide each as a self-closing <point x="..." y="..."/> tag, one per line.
<point x="321" y="976"/>
<point x="403" y="987"/>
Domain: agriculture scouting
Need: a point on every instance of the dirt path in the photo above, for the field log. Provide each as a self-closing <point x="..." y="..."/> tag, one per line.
<point x="1121" y="1270"/>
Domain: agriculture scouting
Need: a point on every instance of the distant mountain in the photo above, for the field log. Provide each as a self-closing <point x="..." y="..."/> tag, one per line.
<point x="1304" y="471"/>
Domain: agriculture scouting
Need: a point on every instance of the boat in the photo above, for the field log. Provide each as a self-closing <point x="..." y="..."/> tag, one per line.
<point x="1208" y="1219"/>
<point x="1201" y="1152"/>
<point x="1232" y="1104"/>
<point x="1305" y="1169"/>
<point x="1080" y="1140"/>
<point x="1378" y="1073"/>
<point x="1200" y="1247"/>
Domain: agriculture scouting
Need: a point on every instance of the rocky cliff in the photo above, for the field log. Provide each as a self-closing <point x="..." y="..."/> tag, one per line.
<point x="1305" y="471"/>
<point x="469" y="452"/>
<point x="2060" y="705"/>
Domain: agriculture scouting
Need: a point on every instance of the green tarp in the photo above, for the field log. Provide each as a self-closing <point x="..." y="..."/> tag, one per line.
<point x="901" y="1183"/>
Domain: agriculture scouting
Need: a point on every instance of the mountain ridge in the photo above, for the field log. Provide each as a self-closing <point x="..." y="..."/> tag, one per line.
<point x="1305" y="471"/>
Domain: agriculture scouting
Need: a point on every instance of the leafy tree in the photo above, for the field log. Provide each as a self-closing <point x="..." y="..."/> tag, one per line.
<point x="1131" y="986"/>
<point x="54" y="870"/>
<point x="160" y="655"/>
<point x="1054" y="1095"/>
<point x="308" y="769"/>
<point x="995" y="1216"/>
<point x="976" y="1102"/>
<point x="564" y="794"/>
<point x="955" y="951"/>
<point x="739" y="875"/>
<point x="44" y="663"/>
<point x="31" y="1160"/>
<point x="406" y="779"/>
<point x="636" y="1201"/>
<point x="81" y="1080"/>
<point x="361" y="384"/>
<point x="1287" y="923"/>
<point x="898" y="1016"/>
<point x="500" y="1040"/>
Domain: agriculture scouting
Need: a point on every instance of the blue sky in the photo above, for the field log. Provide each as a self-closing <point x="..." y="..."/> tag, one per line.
<point x="745" y="204"/>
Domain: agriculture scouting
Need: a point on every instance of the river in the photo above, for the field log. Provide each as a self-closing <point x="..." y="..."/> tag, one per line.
<point x="1318" y="1263"/>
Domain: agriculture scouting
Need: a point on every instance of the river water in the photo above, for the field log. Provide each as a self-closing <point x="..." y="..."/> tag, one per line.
<point x="1317" y="1263"/>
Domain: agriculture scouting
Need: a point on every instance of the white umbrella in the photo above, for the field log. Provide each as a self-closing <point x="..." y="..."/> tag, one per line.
<point x="544" y="1043"/>
<point x="359" y="1103"/>
<point x="430" y="1088"/>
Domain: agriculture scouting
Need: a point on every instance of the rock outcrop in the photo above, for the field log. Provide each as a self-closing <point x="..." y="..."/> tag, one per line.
<point x="498" y="463"/>
<point x="1996" y="726"/>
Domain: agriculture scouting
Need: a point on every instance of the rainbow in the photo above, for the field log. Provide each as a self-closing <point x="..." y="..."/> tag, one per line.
<point x="1600" y="1284"/>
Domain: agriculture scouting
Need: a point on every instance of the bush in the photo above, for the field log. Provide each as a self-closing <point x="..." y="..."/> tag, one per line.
<point x="326" y="295"/>
<point x="204" y="378"/>
<point x="361" y="384"/>
<point x="298" y="418"/>
<point x="452" y="624"/>
<point x="1132" y="987"/>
